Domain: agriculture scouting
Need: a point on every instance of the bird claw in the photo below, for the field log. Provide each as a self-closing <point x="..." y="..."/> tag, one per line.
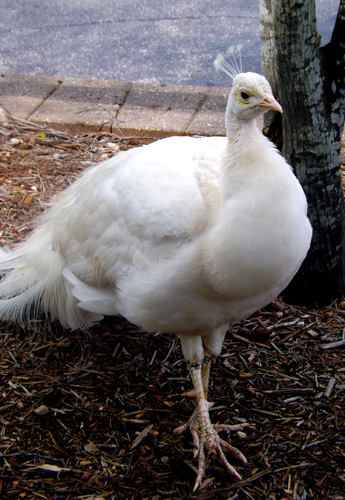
<point x="207" y="440"/>
<point x="212" y="443"/>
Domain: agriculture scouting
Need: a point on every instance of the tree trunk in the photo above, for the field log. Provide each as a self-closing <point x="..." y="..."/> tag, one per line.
<point x="310" y="84"/>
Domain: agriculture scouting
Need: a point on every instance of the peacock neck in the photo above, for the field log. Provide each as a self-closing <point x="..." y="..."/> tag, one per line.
<point x="236" y="129"/>
<point x="243" y="152"/>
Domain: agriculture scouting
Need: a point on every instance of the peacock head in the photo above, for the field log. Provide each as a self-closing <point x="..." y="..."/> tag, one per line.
<point x="251" y="94"/>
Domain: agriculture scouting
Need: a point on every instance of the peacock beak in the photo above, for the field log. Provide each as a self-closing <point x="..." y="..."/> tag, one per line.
<point x="269" y="102"/>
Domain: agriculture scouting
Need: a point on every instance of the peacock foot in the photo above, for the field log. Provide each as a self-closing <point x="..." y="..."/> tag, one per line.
<point x="206" y="441"/>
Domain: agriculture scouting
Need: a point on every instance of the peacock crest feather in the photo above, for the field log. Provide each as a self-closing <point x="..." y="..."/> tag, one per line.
<point x="232" y="68"/>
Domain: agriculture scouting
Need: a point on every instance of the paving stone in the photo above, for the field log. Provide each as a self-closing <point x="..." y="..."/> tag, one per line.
<point x="160" y="110"/>
<point x="80" y="104"/>
<point x="210" y="119"/>
<point x="20" y="95"/>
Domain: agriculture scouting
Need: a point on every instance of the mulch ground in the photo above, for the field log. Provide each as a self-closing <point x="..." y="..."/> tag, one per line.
<point x="91" y="416"/>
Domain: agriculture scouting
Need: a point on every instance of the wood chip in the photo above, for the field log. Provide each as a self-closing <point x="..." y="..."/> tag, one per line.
<point x="29" y="199"/>
<point x="330" y="387"/>
<point x="142" y="436"/>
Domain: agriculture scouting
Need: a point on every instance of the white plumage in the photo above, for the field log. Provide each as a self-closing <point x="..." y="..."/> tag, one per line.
<point x="184" y="235"/>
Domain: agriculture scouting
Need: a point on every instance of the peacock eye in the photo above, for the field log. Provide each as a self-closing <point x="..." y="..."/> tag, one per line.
<point x="244" y="96"/>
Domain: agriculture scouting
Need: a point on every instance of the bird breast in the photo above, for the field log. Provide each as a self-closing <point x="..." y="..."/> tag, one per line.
<point x="240" y="262"/>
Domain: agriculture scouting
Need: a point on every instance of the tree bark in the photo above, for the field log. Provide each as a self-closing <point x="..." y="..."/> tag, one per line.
<point x="310" y="84"/>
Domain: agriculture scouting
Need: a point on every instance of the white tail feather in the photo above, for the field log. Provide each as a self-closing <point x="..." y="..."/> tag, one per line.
<point x="32" y="278"/>
<point x="90" y="298"/>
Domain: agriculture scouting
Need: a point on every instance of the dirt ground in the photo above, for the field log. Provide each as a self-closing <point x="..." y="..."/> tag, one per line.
<point x="92" y="416"/>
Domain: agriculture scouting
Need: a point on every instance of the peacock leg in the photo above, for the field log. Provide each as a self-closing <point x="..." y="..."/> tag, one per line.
<point x="205" y="436"/>
<point x="209" y="441"/>
<point x="198" y="353"/>
<point x="205" y="372"/>
<point x="194" y="422"/>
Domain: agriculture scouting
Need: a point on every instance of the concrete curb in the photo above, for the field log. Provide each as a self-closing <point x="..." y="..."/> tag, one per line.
<point x="124" y="108"/>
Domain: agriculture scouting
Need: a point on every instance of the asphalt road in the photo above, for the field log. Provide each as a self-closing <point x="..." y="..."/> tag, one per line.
<point x="162" y="41"/>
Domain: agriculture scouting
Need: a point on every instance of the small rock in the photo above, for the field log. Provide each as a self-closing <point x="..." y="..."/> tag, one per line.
<point x="41" y="410"/>
<point x="14" y="141"/>
<point x="113" y="146"/>
<point x="91" y="448"/>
